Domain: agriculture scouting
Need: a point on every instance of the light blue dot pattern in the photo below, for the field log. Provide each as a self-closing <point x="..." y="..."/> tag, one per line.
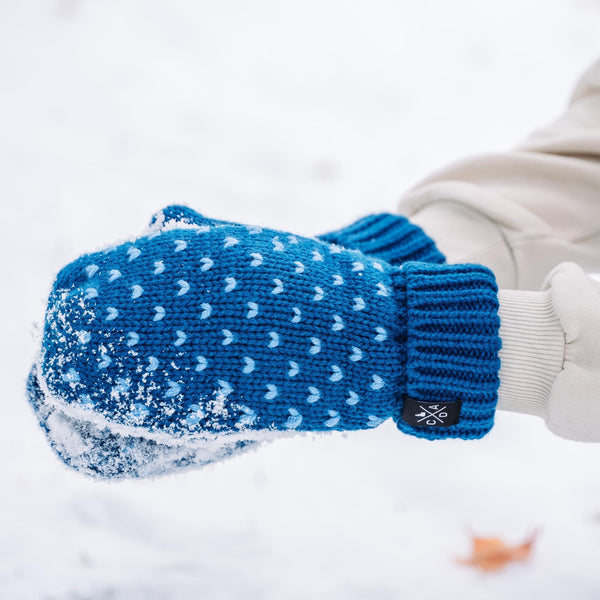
<point x="214" y="329"/>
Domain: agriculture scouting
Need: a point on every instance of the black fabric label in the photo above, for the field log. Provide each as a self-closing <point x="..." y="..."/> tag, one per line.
<point x="423" y="413"/>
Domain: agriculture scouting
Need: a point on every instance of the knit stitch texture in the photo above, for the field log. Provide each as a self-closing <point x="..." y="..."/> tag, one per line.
<point x="392" y="238"/>
<point x="227" y="331"/>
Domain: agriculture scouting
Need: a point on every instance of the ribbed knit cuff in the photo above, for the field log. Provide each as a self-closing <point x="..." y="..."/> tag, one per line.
<point x="533" y="345"/>
<point x="392" y="238"/>
<point x="452" y="345"/>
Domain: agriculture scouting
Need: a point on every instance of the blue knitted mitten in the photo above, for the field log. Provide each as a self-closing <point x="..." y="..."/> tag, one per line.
<point x="392" y="238"/>
<point x="193" y="341"/>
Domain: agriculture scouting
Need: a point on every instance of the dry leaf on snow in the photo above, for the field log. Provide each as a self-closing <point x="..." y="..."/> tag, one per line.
<point x="491" y="554"/>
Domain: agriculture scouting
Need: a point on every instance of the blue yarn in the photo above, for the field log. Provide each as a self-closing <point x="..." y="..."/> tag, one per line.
<point x="392" y="238"/>
<point x="191" y="350"/>
<point x="452" y="345"/>
<point x="233" y="331"/>
<point x="200" y="323"/>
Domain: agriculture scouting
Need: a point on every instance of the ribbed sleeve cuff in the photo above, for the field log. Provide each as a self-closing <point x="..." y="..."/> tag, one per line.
<point x="392" y="238"/>
<point x="533" y="345"/>
<point x="452" y="346"/>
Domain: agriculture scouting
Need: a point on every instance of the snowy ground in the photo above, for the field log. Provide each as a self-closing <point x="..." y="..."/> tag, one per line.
<point x="299" y="115"/>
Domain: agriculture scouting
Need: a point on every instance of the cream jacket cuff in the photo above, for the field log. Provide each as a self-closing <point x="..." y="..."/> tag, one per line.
<point x="550" y="357"/>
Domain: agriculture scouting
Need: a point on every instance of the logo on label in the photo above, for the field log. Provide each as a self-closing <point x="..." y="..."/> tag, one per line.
<point x="434" y="415"/>
<point x="430" y="414"/>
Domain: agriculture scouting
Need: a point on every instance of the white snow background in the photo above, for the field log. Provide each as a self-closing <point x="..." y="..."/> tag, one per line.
<point x="300" y="116"/>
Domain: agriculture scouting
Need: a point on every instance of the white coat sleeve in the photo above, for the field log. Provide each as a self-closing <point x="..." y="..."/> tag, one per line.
<point x="522" y="212"/>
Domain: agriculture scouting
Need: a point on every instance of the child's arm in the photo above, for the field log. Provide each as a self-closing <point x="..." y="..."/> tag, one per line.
<point x="191" y="344"/>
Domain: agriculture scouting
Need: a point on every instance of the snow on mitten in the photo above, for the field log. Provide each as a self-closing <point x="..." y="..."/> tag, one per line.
<point x="392" y="238"/>
<point x="209" y="337"/>
<point x="90" y="446"/>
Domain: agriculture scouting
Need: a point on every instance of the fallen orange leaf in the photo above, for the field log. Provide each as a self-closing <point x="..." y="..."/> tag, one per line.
<point x="491" y="554"/>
